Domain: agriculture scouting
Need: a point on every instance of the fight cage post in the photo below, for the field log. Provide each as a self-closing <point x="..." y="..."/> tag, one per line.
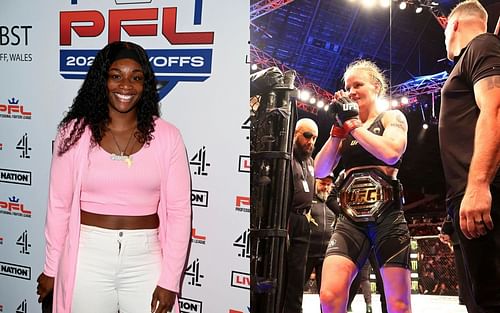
<point x="272" y="119"/>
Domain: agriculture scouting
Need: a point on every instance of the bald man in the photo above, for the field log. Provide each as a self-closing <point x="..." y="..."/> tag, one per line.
<point x="469" y="136"/>
<point x="306" y="133"/>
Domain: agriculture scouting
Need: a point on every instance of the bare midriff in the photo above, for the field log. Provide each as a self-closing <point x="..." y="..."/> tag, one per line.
<point x="119" y="222"/>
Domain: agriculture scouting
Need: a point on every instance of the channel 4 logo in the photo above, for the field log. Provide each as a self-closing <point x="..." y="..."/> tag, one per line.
<point x="190" y="305"/>
<point x="13" y="109"/>
<point x="199" y="198"/>
<point x="17" y="177"/>
<point x="244" y="164"/>
<point x="193" y="273"/>
<point x="23" y="307"/>
<point x="199" y="162"/>
<point x="242" y="204"/>
<point x="15" y="270"/>
<point x="246" y="126"/>
<point x="23" y="242"/>
<point x="243" y="244"/>
<point x="240" y="280"/>
<point x="24" y="147"/>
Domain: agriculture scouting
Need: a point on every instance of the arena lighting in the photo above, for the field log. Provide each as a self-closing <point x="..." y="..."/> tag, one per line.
<point x="394" y="103"/>
<point x="425" y="125"/>
<point x="368" y="3"/>
<point x="304" y="95"/>
<point x="382" y="105"/>
<point x="402" y="5"/>
<point x="320" y="104"/>
<point x="385" y="3"/>
<point x="418" y="10"/>
<point x="254" y="67"/>
<point x="326" y="107"/>
<point x="404" y="100"/>
<point x="312" y="100"/>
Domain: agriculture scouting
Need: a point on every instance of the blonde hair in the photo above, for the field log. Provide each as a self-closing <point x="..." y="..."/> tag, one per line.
<point x="469" y="8"/>
<point x="373" y="71"/>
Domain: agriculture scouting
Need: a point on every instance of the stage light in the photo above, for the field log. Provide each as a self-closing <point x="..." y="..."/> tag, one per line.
<point x="434" y="3"/>
<point x="385" y="3"/>
<point x="425" y="125"/>
<point x="304" y="95"/>
<point x="368" y="3"/>
<point x="418" y="10"/>
<point x="320" y="104"/>
<point x="326" y="107"/>
<point x="402" y="5"/>
<point x="404" y="100"/>
<point x="382" y="105"/>
<point x="312" y="100"/>
<point x="254" y="67"/>
<point x="394" y="103"/>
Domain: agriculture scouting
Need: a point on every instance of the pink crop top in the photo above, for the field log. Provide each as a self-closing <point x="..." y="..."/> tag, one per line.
<point x="111" y="187"/>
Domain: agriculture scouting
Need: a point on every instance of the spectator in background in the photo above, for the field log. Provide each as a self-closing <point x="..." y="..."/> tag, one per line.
<point x="322" y="221"/>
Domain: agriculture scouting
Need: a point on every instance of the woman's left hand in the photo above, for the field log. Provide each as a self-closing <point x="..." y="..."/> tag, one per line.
<point x="163" y="300"/>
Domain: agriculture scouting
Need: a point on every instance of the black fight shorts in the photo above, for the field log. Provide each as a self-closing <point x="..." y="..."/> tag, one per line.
<point x="388" y="236"/>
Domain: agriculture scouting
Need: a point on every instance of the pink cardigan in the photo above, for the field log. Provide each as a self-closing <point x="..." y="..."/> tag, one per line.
<point x="62" y="226"/>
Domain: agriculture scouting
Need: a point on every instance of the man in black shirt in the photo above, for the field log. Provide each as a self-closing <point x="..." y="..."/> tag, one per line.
<point x="306" y="133"/>
<point x="469" y="136"/>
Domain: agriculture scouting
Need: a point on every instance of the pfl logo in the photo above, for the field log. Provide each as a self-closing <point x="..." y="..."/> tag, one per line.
<point x="23" y="307"/>
<point x="14" y="207"/>
<point x="197" y="238"/>
<point x="22" y="241"/>
<point x="199" y="162"/>
<point x="1" y="307"/>
<point x="190" y="306"/>
<point x="243" y="243"/>
<point x="1" y="146"/>
<point x="1" y="240"/>
<point x="238" y="311"/>
<point x="22" y="145"/>
<point x="193" y="272"/>
<point x="170" y="65"/>
<point x="13" y="109"/>
<point x="242" y="204"/>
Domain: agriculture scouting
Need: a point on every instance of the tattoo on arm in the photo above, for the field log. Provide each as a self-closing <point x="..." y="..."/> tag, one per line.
<point x="399" y="123"/>
<point x="492" y="82"/>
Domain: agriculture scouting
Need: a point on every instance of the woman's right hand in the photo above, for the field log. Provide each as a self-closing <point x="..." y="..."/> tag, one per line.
<point x="45" y="286"/>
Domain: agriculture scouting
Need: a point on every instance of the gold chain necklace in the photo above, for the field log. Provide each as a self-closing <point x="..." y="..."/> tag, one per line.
<point x="122" y="157"/>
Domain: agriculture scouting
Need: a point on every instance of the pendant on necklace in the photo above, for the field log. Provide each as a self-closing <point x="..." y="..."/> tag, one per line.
<point x="125" y="158"/>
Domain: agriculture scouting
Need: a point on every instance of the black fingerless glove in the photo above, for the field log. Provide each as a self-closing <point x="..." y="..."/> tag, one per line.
<point x="346" y="109"/>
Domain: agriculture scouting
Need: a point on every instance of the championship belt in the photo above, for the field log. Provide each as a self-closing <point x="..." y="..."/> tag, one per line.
<point x="366" y="193"/>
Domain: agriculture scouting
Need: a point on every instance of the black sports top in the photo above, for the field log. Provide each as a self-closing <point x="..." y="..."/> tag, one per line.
<point x="354" y="155"/>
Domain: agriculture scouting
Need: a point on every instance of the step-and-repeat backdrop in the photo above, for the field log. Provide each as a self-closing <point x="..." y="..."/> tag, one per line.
<point x="199" y="52"/>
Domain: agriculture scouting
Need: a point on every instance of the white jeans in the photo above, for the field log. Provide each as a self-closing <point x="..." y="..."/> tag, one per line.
<point x="116" y="270"/>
